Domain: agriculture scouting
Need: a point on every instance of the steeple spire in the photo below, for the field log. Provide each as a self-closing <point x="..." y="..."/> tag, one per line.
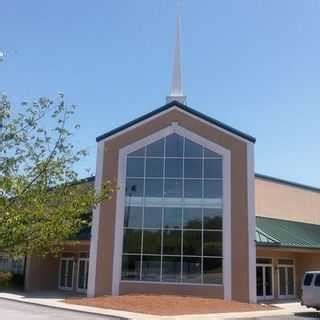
<point x="176" y="86"/>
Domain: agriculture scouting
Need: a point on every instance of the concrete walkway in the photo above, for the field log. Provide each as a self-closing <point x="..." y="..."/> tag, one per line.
<point x="55" y="300"/>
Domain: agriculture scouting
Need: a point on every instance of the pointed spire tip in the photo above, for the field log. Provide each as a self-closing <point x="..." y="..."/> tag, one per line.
<point x="176" y="86"/>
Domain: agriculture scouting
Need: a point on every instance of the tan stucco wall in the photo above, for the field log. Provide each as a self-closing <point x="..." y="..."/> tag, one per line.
<point x="303" y="261"/>
<point x="280" y="201"/>
<point x="42" y="272"/>
<point x="306" y="261"/>
<point x="239" y="206"/>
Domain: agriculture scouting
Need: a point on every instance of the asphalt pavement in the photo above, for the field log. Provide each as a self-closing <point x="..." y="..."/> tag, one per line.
<point x="12" y="310"/>
<point x="309" y="315"/>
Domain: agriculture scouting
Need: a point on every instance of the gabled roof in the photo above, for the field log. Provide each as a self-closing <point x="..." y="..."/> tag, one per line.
<point x="183" y="107"/>
<point x="265" y="239"/>
<point x="287" y="234"/>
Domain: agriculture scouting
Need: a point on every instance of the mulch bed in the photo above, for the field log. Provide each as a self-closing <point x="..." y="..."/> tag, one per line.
<point x="167" y="305"/>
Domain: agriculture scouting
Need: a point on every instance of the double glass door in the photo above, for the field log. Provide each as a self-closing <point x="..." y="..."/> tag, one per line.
<point x="66" y="273"/>
<point x="286" y="279"/>
<point x="83" y="274"/>
<point x="264" y="279"/>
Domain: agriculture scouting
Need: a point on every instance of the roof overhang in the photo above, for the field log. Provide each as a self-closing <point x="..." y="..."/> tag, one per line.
<point x="284" y="234"/>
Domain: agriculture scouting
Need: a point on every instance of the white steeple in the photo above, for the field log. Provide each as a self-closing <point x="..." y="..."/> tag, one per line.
<point x="176" y="86"/>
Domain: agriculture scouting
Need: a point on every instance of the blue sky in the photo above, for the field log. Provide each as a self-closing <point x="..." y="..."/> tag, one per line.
<point x="254" y="65"/>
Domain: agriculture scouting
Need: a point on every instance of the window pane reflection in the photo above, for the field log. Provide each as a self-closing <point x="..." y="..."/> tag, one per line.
<point x="150" y="268"/>
<point x="174" y="146"/>
<point x="173" y="188"/>
<point x="192" y="218"/>
<point x="193" y="188"/>
<point x="156" y="149"/>
<point x="172" y="242"/>
<point x="191" y="270"/>
<point x="192" y="243"/>
<point x="154" y="168"/>
<point x="172" y="218"/>
<point x="154" y="188"/>
<point x="212" y="270"/>
<point x="131" y="267"/>
<point x="133" y="217"/>
<point x="171" y="269"/>
<point x="132" y="241"/>
<point x="134" y="187"/>
<point x="152" y="217"/>
<point x="192" y="168"/>
<point x="135" y="167"/>
<point x="151" y="241"/>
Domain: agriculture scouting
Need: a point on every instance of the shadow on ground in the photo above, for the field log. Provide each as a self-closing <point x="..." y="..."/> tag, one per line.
<point x="310" y="314"/>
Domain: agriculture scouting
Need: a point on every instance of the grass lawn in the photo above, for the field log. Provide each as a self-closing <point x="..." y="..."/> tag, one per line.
<point x="168" y="305"/>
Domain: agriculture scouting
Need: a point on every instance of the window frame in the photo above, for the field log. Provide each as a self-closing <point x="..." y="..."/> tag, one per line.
<point x="86" y="271"/>
<point x="67" y="257"/>
<point x="226" y="204"/>
<point x="286" y="262"/>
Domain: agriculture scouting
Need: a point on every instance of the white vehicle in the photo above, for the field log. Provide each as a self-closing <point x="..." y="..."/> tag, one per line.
<point x="311" y="290"/>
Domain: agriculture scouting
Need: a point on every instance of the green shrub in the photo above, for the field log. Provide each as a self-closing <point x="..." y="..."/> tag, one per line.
<point x="5" y="279"/>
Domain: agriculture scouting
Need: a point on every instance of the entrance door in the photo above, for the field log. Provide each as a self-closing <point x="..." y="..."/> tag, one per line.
<point x="66" y="273"/>
<point x="286" y="285"/>
<point x="83" y="274"/>
<point x="264" y="279"/>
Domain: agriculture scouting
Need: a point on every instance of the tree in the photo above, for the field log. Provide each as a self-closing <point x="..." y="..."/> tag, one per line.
<point x="42" y="201"/>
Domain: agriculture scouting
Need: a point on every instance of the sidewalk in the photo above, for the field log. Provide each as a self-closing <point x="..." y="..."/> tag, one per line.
<point x="55" y="300"/>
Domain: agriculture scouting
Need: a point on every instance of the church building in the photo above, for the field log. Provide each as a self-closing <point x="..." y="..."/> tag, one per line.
<point x="189" y="216"/>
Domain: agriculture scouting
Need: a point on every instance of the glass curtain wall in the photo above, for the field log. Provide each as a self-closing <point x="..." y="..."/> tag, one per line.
<point x="173" y="213"/>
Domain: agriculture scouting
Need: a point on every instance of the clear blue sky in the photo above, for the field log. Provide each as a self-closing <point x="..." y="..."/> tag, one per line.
<point x="254" y="65"/>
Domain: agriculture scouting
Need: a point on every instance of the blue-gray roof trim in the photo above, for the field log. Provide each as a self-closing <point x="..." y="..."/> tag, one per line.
<point x="184" y="108"/>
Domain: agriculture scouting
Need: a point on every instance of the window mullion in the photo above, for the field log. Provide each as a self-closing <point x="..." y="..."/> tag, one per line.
<point x="161" y="246"/>
<point x="162" y="210"/>
<point x="202" y="214"/>
<point x="143" y="210"/>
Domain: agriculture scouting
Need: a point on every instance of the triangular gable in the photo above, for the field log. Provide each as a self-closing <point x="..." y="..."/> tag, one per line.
<point x="180" y="106"/>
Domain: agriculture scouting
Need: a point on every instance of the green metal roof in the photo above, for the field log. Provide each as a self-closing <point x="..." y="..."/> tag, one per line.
<point x="288" y="234"/>
<point x="265" y="239"/>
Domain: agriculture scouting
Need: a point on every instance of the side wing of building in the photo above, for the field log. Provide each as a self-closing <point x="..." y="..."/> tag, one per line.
<point x="287" y="236"/>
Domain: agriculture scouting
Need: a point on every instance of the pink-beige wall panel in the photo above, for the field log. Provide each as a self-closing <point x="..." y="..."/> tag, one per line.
<point x="280" y="201"/>
<point x="239" y="205"/>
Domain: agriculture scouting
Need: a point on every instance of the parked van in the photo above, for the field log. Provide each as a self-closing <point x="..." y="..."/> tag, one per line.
<point x="311" y="290"/>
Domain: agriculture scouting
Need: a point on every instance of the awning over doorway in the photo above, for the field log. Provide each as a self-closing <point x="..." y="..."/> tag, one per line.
<point x="287" y="234"/>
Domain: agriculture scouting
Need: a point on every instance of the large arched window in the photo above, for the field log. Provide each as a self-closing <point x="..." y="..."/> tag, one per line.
<point x="173" y="228"/>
